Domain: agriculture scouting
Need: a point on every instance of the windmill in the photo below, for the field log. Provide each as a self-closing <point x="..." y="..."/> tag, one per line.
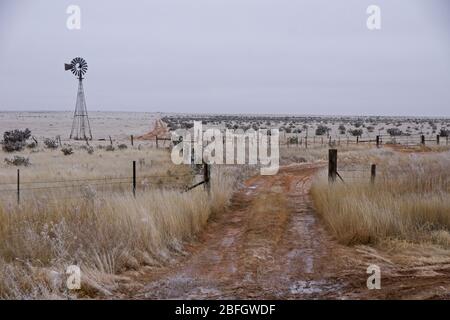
<point x="81" y="129"/>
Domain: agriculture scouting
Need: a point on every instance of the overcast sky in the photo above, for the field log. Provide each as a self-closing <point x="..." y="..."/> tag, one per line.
<point x="229" y="56"/>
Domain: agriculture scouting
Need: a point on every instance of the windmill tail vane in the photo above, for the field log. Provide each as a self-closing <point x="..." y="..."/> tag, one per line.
<point x="81" y="129"/>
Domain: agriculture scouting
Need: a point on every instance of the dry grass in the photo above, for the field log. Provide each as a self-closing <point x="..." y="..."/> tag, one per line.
<point x="103" y="233"/>
<point x="410" y="200"/>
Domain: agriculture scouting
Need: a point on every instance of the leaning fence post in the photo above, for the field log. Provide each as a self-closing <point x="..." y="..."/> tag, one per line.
<point x="134" y="178"/>
<point x="373" y="172"/>
<point x="18" y="186"/>
<point x="207" y="177"/>
<point x="332" y="165"/>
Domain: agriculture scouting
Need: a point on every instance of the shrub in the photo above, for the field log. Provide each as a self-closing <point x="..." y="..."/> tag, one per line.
<point x="358" y="124"/>
<point x="444" y="133"/>
<point x="51" y="143"/>
<point x="18" y="161"/>
<point x="342" y="129"/>
<point x="110" y="147"/>
<point x="15" y="140"/>
<point x="394" y="131"/>
<point x="321" y="130"/>
<point x="293" y="140"/>
<point x="122" y="146"/>
<point x="356" y="132"/>
<point x="67" y="151"/>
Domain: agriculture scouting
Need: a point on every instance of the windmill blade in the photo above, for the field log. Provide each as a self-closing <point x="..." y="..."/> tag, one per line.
<point x="78" y="66"/>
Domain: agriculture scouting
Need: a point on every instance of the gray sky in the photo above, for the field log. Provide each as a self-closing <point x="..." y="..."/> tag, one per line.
<point x="229" y="56"/>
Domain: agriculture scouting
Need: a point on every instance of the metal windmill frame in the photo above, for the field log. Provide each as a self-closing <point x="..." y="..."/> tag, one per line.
<point x="81" y="128"/>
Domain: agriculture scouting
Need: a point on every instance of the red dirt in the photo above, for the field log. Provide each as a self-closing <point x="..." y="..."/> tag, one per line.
<point x="159" y="130"/>
<point x="271" y="245"/>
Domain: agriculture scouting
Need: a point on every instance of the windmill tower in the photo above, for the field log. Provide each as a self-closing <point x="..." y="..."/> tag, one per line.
<point x="81" y="129"/>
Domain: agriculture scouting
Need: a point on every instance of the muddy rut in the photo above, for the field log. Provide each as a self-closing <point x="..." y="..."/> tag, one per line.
<point x="270" y="244"/>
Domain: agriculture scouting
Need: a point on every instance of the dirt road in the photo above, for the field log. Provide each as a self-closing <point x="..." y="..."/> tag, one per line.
<point x="271" y="245"/>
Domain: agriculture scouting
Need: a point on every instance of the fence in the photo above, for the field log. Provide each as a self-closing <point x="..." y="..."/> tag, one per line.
<point x="292" y="140"/>
<point x="333" y="171"/>
<point x="19" y="187"/>
<point x="378" y="140"/>
<point x="351" y="173"/>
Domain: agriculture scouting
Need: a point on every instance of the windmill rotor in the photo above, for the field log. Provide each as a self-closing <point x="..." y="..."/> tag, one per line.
<point x="78" y="66"/>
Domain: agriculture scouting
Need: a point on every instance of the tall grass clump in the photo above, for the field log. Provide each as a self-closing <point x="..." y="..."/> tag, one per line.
<point x="410" y="200"/>
<point x="104" y="235"/>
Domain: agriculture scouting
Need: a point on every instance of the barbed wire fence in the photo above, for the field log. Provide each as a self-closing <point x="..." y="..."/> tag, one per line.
<point x="78" y="188"/>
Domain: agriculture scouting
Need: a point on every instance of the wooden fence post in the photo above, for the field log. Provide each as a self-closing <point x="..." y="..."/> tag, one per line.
<point x="157" y="146"/>
<point x="422" y="140"/>
<point x="207" y="177"/>
<point x="306" y="142"/>
<point x="134" y="178"/>
<point x="18" y="186"/>
<point x="378" y="141"/>
<point x="110" y="140"/>
<point x="373" y="173"/>
<point x="132" y="140"/>
<point x="438" y="139"/>
<point x="332" y="165"/>
<point x="357" y="139"/>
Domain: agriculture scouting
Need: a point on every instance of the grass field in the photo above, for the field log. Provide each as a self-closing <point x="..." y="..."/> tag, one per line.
<point x="102" y="228"/>
<point x="410" y="200"/>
